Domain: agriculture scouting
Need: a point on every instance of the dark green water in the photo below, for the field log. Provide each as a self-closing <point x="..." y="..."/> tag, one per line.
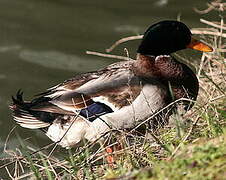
<point x="43" y="42"/>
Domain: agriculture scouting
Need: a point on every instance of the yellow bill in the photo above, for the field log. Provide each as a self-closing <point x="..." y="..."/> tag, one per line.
<point x="198" y="45"/>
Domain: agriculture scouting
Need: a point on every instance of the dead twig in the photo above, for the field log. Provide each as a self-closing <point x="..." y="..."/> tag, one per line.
<point x="215" y="5"/>
<point x="204" y="32"/>
<point x="120" y="41"/>
<point x="109" y="55"/>
<point x="213" y="24"/>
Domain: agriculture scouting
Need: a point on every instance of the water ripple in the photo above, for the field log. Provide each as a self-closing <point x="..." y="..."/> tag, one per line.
<point x="59" y="60"/>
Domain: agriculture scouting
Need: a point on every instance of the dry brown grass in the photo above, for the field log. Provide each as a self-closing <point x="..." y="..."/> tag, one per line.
<point x="206" y="119"/>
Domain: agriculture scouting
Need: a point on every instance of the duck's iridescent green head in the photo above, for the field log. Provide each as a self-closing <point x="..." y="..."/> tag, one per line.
<point x="166" y="37"/>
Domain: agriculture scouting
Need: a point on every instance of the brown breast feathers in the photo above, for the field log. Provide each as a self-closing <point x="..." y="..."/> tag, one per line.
<point x="169" y="71"/>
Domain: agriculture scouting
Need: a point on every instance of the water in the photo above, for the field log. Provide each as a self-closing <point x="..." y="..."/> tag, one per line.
<point x="44" y="42"/>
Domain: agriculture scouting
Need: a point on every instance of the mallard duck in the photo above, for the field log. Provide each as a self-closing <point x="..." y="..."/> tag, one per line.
<point x="118" y="96"/>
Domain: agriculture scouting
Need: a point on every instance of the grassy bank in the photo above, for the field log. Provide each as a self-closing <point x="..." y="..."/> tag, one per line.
<point x="191" y="146"/>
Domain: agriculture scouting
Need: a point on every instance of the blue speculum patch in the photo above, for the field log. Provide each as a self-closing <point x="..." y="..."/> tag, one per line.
<point x="95" y="110"/>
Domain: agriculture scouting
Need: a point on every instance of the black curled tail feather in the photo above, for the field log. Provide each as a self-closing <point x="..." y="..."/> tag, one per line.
<point x="26" y="117"/>
<point x="18" y="102"/>
<point x="19" y="97"/>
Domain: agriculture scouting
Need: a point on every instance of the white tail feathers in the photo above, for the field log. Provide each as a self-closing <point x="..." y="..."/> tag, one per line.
<point x="27" y="120"/>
